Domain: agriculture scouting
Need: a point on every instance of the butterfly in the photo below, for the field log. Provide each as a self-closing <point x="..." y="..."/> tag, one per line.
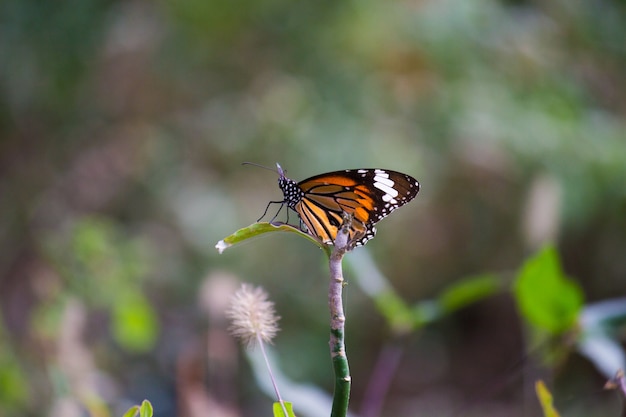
<point x="367" y="195"/>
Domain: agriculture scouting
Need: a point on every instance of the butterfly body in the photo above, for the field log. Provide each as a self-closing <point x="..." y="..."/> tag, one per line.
<point x="368" y="195"/>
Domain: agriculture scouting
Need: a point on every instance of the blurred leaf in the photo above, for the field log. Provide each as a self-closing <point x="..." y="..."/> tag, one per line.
<point x="468" y="291"/>
<point x="545" y="399"/>
<point x="399" y="316"/>
<point x="146" y="409"/>
<point x="98" y="259"/>
<point x="426" y="312"/>
<point x="605" y="353"/>
<point x="545" y="297"/>
<point x="103" y="266"/>
<point x="278" y="409"/>
<point x="132" y="411"/>
<point x="402" y="318"/>
<point x="13" y="387"/>
<point x="608" y="315"/>
<point x="259" y="229"/>
<point x="134" y="323"/>
<point x="601" y="325"/>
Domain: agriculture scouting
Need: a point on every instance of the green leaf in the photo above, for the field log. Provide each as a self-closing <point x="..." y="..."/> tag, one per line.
<point x="426" y="311"/>
<point x="146" y="409"/>
<point x="259" y="229"/>
<point x="546" y="298"/>
<point x="468" y="291"/>
<point x="545" y="399"/>
<point x="132" y="411"/>
<point x="397" y="313"/>
<point x="135" y="326"/>
<point x="461" y="294"/>
<point x="278" y="410"/>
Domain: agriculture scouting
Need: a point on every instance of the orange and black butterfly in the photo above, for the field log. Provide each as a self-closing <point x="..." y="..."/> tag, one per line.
<point x="368" y="195"/>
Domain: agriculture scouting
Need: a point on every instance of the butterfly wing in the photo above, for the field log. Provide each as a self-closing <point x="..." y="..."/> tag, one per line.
<point x="369" y="195"/>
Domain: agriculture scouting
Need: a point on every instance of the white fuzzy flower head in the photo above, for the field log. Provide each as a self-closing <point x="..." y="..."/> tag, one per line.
<point x="253" y="316"/>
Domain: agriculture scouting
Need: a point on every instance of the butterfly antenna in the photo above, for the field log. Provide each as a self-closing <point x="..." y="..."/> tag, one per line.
<point x="263" y="166"/>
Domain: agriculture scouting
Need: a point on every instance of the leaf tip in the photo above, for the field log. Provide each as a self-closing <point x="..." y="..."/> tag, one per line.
<point x="221" y="246"/>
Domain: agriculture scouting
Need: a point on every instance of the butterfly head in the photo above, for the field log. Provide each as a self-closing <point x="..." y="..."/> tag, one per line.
<point x="291" y="191"/>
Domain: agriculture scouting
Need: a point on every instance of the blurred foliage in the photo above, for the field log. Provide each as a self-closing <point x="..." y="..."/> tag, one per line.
<point x="546" y="298"/>
<point x="545" y="398"/>
<point x="103" y="268"/>
<point x="277" y="409"/>
<point x="143" y="410"/>
<point x="13" y="383"/>
<point x="122" y="128"/>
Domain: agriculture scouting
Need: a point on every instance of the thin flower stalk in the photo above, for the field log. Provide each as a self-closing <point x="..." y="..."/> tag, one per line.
<point x="254" y="321"/>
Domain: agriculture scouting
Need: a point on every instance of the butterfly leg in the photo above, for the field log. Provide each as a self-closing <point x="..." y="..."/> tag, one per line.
<point x="278" y="212"/>
<point x="282" y="203"/>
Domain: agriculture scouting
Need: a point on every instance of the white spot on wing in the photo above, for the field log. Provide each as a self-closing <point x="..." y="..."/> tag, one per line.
<point x="387" y="189"/>
<point x="388" y="198"/>
<point x="384" y="180"/>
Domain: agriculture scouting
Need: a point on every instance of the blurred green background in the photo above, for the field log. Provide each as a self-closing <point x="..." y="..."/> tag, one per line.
<point x="123" y="125"/>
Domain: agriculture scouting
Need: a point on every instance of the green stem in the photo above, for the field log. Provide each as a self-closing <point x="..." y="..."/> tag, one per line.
<point x="338" y="355"/>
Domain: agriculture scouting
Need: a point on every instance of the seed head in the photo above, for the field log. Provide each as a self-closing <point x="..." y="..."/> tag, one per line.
<point x="253" y="316"/>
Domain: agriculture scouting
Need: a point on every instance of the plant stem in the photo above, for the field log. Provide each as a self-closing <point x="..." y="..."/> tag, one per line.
<point x="338" y="355"/>
<point x="269" y="368"/>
